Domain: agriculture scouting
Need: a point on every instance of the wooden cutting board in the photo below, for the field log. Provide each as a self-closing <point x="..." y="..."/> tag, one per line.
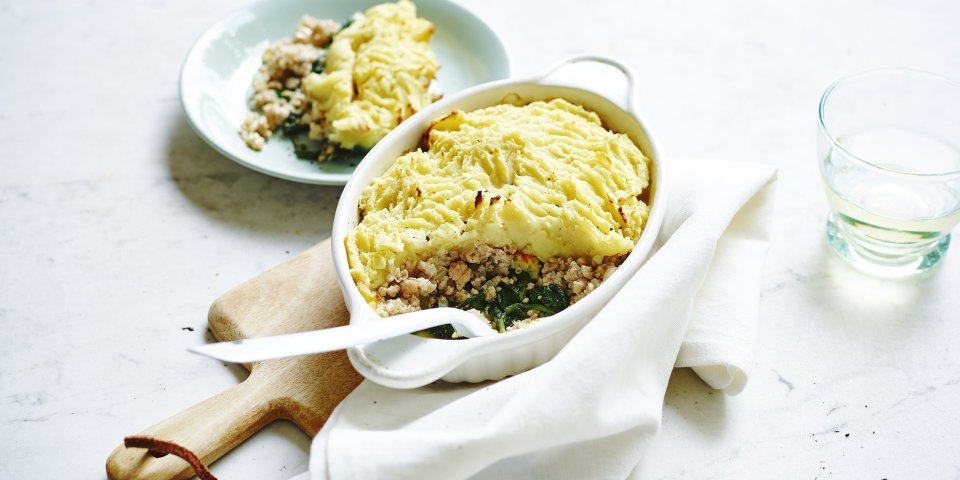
<point x="301" y="294"/>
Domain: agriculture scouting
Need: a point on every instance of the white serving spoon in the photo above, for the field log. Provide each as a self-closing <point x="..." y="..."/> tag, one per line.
<point x="250" y="350"/>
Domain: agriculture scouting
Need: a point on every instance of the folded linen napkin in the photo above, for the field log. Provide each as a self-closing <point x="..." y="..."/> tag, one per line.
<point x="590" y="411"/>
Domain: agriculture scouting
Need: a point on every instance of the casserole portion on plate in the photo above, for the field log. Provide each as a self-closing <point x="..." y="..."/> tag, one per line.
<point x="331" y="89"/>
<point x="215" y="82"/>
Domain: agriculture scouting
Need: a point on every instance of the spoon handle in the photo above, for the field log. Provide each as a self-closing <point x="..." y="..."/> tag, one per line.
<point x="319" y="341"/>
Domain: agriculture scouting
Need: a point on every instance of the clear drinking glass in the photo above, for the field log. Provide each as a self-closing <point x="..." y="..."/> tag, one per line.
<point x="889" y="148"/>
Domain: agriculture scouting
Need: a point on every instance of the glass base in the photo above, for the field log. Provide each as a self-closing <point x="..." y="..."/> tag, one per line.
<point x="879" y="257"/>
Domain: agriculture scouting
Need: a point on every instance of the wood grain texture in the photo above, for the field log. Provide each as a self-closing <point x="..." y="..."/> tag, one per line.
<point x="299" y="295"/>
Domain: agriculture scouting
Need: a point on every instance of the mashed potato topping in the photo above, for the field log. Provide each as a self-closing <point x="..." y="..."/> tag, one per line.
<point x="377" y="73"/>
<point x="546" y="179"/>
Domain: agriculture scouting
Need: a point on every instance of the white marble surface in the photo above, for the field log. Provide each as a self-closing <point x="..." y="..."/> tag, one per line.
<point x="118" y="227"/>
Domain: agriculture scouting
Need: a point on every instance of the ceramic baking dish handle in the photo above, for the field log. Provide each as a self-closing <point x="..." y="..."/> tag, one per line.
<point x="631" y="97"/>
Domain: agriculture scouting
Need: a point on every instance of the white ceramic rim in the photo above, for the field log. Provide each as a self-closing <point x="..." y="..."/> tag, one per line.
<point x="361" y="311"/>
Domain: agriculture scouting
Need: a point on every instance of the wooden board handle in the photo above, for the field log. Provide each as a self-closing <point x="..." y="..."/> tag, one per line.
<point x="298" y="295"/>
<point x="209" y="429"/>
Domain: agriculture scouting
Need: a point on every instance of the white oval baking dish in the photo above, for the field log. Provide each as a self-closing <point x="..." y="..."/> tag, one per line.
<point x="410" y="361"/>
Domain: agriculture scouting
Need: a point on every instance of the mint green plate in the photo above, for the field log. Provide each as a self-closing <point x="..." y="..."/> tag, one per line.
<point x="215" y="79"/>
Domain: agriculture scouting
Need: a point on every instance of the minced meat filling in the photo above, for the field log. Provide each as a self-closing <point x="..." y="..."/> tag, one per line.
<point x="512" y="289"/>
<point x="277" y="97"/>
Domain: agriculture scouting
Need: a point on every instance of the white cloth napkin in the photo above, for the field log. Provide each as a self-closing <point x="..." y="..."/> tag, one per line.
<point x="590" y="411"/>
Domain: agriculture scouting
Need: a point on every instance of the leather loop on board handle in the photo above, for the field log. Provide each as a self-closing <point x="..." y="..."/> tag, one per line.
<point x="209" y="429"/>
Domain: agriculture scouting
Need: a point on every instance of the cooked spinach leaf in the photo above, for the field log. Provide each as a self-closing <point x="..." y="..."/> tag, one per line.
<point x="551" y="296"/>
<point x="522" y="279"/>
<point x="508" y="295"/>
<point x="442" y="331"/>
<point x="512" y="301"/>
<point x="475" y="302"/>
<point x="292" y="126"/>
<point x="305" y="147"/>
<point x="319" y="63"/>
<point x="517" y="311"/>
